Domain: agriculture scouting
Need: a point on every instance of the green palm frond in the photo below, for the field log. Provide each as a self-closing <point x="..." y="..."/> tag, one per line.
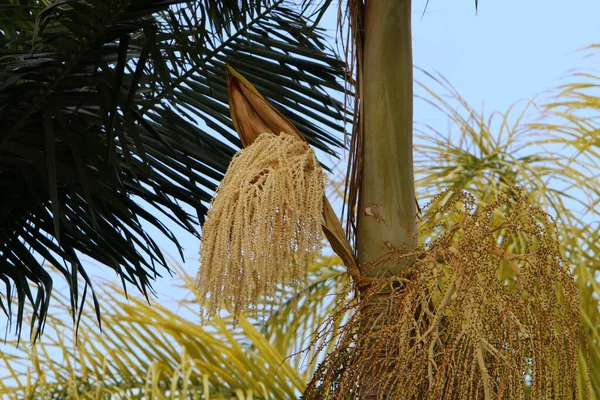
<point x="496" y="152"/>
<point x="64" y="185"/>
<point x="114" y="117"/>
<point x="162" y="351"/>
<point x="223" y="16"/>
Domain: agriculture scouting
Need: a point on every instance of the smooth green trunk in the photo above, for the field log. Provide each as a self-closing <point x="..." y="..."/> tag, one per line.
<point x="387" y="211"/>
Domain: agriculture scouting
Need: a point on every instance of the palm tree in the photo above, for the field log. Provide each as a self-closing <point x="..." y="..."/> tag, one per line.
<point x="228" y="361"/>
<point x="102" y="113"/>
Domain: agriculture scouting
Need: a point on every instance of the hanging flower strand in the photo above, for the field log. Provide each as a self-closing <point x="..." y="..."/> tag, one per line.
<point x="264" y="224"/>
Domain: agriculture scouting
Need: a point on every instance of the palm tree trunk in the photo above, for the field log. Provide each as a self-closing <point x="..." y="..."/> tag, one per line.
<point x="386" y="218"/>
<point x="387" y="201"/>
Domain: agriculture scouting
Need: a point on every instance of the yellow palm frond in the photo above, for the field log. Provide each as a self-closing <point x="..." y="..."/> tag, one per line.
<point x="162" y="351"/>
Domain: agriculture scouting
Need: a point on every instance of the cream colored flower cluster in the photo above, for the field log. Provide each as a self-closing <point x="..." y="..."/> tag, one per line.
<point x="264" y="225"/>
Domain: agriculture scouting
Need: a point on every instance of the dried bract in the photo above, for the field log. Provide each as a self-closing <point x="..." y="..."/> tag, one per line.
<point x="264" y="225"/>
<point x="488" y="310"/>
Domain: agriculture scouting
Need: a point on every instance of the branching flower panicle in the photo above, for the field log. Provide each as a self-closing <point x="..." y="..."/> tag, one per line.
<point x="488" y="310"/>
<point x="264" y="225"/>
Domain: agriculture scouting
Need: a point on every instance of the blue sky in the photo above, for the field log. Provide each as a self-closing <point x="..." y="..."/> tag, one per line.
<point x="510" y="50"/>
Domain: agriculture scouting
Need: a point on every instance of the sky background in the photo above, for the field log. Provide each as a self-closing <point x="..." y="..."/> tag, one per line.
<point x="507" y="51"/>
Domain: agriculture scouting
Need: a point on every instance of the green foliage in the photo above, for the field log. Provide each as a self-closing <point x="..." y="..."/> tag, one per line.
<point x="474" y="156"/>
<point x="162" y="351"/>
<point x="114" y="118"/>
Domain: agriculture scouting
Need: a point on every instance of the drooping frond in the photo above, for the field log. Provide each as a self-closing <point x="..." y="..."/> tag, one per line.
<point x="70" y="115"/>
<point x="148" y="351"/>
